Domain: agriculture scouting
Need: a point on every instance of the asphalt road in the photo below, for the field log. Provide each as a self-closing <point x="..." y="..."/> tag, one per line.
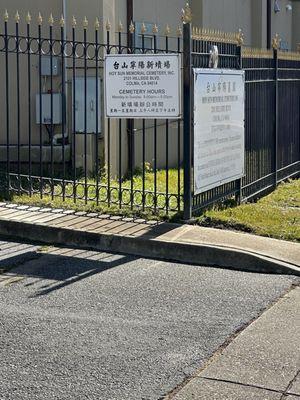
<point x="86" y="325"/>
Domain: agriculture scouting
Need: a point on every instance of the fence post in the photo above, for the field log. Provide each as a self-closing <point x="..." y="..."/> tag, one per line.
<point x="187" y="116"/>
<point x="275" y="45"/>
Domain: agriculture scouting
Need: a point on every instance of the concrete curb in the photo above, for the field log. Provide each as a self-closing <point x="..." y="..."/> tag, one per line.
<point x="199" y="254"/>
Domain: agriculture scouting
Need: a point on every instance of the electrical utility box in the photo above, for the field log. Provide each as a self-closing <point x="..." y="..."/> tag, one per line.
<point x="47" y="118"/>
<point x="86" y="107"/>
<point x="46" y="66"/>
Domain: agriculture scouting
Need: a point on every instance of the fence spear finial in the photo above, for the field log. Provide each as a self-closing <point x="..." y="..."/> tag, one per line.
<point x="97" y="24"/>
<point x="168" y="30"/>
<point x="51" y="20"/>
<point x="120" y="27"/>
<point x="179" y="31"/>
<point x="108" y="25"/>
<point x="143" y="28"/>
<point x="187" y="14"/>
<point x="6" y="16"/>
<point x="74" y="22"/>
<point x="131" y="27"/>
<point x="240" y="38"/>
<point x="40" y="19"/>
<point x="276" y="42"/>
<point x="62" y="21"/>
<point x="155" y="29"/>
<point x="28" y="18"/>
<point x="17" y="17"/>
<point x="85" y="23"/>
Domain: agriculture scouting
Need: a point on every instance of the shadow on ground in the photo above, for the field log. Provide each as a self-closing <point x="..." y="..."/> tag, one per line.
<point x="58" y="267"/>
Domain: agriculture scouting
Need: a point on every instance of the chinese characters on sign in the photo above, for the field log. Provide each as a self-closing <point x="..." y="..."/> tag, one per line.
<point x="142" y="86"/>
<point x="219" y="133"/>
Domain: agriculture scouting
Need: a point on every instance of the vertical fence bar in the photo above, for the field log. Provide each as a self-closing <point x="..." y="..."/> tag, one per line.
<point x="74" y="109"/>
<point x="239" y="59"/>
<point x="97" y="110"/>
<point x="120" y="139"/>
<point x="188" y="128"/>
<point x="40" y="106"/>
<point x="108" y="134"/>
<point x="7" y="104"/>
<point x="63" y="106"/>
<point x="167" y="145"/>
<point x="74" y="148"/>
<point x="18" y="101"/>
<point x="155" y="141"/>
<point x="85" y="114"/>
<point x="51" y="111"/>
<point x="276" y="127"/>
<point x="179" y="142"/>
<point x="29" y="103"/>
<point x="131" y="152"/>
<point x="143" y="143"/>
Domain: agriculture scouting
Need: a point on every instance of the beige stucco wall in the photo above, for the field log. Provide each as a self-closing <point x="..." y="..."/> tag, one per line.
<point x="282" y="23"/>
<point x="296" y="24"/>
<point x="251" y="17"/>
<point x="228" y="16"/>
<point x="259" y="24"/>
<point x="160" y="12"/>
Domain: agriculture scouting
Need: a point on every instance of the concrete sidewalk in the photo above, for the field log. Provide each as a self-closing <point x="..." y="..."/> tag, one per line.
<point x="262" y="363"/>
<point x="181" y="243"/>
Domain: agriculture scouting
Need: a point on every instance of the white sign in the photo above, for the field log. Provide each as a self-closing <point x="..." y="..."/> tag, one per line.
<point x="219" y="132"/>
<point x="142" y="86"/>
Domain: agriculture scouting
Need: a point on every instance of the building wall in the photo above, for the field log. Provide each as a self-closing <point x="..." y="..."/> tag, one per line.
<point x="282" y="24"/>
<point x="259" y="24"/>
<point x="228" y="16"/>
<point x="251" y="17"/>
<point x="160" y="12"/>
<point x="225" y="15"/>
<point x="296" y="24"/>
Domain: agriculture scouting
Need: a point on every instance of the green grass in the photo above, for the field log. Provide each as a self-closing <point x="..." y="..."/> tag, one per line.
<point x="91" y="206"/>
<point x="276" y="215"/>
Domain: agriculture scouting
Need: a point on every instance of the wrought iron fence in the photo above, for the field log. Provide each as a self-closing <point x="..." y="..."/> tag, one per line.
<point x="272" y="124"/>
<point x="56" y="152"/>
<point x="56" y="143"/>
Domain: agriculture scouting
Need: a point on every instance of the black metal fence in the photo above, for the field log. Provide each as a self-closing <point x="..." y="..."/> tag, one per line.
<point x="56" y="143"/>
<point x="272" y="123"/>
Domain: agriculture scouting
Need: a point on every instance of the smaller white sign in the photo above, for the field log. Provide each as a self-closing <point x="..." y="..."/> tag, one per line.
<point x="219" y="131"/>
<point x="143" y="86"/>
